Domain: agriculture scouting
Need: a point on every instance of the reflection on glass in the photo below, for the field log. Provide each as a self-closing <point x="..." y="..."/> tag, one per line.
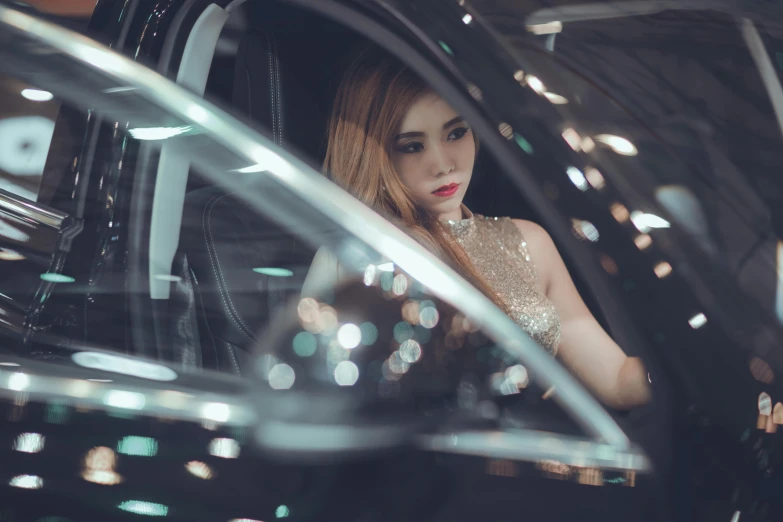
<point x="546" y="28"/>
<point x="662" y="269"/>
<point x="29" y="442"/>
<point x="56" y="278"/>
<point x="274" y="272"/>
<point x="618" y="144"/>
<point x="199" y="469"/>
<point x="138" y="446"/>
<point x="27" y="482"/>
<point x="37" y="95"/>
<point x="346" y="373"/>
<point x="140" y="507"/>
<point x="18" y="381"/>
<point x="158" y="133"/>
<point x="125" y="399"/>
<point x="645" y="222"/>
<point x="99" y="464"/>
<point x="556" y="99"/>
<point x="224" y="448"/>
<point x="281" y="377"/>
<point x="697" y="321"/>
<point x="535" y="83"/>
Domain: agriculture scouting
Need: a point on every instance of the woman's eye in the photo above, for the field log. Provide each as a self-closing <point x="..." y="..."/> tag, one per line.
<point x="411" y="148"/>
<point x="458" y="133"/>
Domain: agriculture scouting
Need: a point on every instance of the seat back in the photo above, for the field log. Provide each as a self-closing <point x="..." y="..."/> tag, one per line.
<point x="283" y="86"/>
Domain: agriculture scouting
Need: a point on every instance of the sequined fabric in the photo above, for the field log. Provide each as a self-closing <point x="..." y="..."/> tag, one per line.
<point x="499" y="252"/>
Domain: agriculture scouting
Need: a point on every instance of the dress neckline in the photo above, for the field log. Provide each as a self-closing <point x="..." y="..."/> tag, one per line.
<point x="468" y="216"/>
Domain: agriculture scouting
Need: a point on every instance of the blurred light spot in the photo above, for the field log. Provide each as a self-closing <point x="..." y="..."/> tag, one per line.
<point x="124" y="399"/>
<point x="577" y="178"/>
<point x="18" y="381"/>
<point x="305" y="344"/>
<point x="402" y="332"/>
<point x="584" y="230"/>
<point x="37" y="95"/>
<point x="536" y="84"/>
<point x="244" y="520"/>
<point x="697" y="321"/>
<point x="282" y="511"/>
<point x="619" y="212"/>
<point x="308" y="309"/>
<point x="642" y="241"/>
<point x="199" y="469"/>
<point x="467" y="19"/>
<point x="475" y="92"/>
<point x="595" y="178"/>
<point x="369" y="333"/>
<point x="281" y="377"/>
<point x="140" y="507"/>
<point x="138" y="446"/>
<point x="173" y="400"/>
<point x="327" y="319"/>
<point x="56" y="278"/>
<point x="400" y="284"/>
<point x="645" y="222"/>
<point x="397" y="365"/>
<point x="10" y="255"/>
<point x="99" y="466"/>
<point x="346" y="373"/>
<point x="9" y="364"/>
<point x="169" y="278"/>
<point x="29" y="442"/>
<point x="777" y="414"/>
<point x="609" y="264"/>
<point x="274" y="272"/>
<point x="548" y="394"/>
<point x="428" y="317"/>
<point x="736" y="516"/>
<point x="573" y="138"/>
<point x="556" y="99"/>
<point x="349" y="336"/>
<point x="547" y="28"/>
<point x="587" y="144"/>
<point x="519" y="76"/>
<point x="523" y="143"/>
<point x="518" y="375"/>
<point x="618" y="144"/>
<point x="662" y="269"/>
<point x="124" y="365"/>
<point x="445" y="47"/>
<point x="765" y="404"/>
<point x="506" y="131"/>
<point x="410" y="311"/>
<point x="158" y="133"/>
<point x="369" y="275"/>
<point x="216" y="411"/>
<point x="224" y="448"/>
<point x="410" y="351"/>
<point x="27" y="482"/>
<point x="80" y="389"/>
<point x="761" y="371"/>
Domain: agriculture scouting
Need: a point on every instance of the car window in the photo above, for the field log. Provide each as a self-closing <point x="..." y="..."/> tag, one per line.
<point x="695" y="112"/>
<point x="236" y="293"/>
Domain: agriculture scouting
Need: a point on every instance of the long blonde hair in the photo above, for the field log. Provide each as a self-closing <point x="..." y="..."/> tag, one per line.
<point x="372" y="100"/>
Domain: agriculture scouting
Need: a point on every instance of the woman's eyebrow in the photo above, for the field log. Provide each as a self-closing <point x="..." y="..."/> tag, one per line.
<point x="416" y="134"/>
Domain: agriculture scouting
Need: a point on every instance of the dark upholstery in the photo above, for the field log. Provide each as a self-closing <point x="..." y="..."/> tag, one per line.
<point x="283" y="87"/>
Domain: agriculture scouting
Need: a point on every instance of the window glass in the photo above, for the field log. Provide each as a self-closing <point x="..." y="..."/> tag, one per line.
<point x="27" y="116"/>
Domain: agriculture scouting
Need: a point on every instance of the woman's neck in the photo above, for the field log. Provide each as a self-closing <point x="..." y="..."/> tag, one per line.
<point x="460" y="213"/>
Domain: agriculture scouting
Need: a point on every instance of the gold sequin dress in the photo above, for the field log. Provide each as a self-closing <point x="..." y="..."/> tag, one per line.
<point x="499" y="252"/>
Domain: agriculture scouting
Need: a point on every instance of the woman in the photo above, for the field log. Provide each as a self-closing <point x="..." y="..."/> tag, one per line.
<point x="402" y="150"/>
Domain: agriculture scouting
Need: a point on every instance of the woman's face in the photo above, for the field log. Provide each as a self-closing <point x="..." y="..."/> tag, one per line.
<point x="433" y="153"/>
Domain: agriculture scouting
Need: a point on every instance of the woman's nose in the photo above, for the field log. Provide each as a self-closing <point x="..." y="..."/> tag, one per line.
<point x="441" y="162"/>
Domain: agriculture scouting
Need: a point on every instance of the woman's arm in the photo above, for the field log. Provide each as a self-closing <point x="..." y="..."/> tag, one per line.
<point x="618" y="380"/>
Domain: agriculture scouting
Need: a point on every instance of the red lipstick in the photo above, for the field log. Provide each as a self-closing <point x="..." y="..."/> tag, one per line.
<point x="446" y="190"/>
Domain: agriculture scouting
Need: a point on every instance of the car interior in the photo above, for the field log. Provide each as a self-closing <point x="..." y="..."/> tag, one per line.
<point x="268" y="72"/>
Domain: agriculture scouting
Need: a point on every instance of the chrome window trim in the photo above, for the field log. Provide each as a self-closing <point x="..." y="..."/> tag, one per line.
<point x="326" y="198"/>
<point x="25" y="208"/>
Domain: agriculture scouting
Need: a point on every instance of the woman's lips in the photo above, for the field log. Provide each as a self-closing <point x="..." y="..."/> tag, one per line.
<point x="446" y="190"/>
